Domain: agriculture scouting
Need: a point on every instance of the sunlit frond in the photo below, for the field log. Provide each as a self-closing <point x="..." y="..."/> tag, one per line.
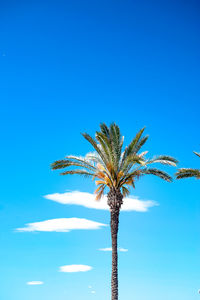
<point x="95" y="146"/>
<point x="97" y="182"/>
<point x="163" y="159"/>
<point x="143" y="154"/>
<point x="125" y="191"/>
<point x="99" y="192"/>
<point x="129" y="176"/>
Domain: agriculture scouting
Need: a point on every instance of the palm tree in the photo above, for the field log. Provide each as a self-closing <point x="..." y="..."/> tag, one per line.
<point x="188" y="172"/>
<point x="115" y="170"/>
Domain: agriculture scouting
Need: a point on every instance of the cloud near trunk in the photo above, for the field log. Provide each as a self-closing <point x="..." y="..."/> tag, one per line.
<point x="62" y="225"/>
<point x="88" y="200"/>
<point x="110" y="249"/>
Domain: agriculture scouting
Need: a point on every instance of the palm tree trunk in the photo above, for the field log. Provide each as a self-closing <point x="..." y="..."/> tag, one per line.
<point x="115" y="202"/>
<point x="114" y="224"/>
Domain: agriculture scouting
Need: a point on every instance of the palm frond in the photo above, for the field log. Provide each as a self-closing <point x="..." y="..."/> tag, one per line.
<point x="133" y="147"/>
<point x="140" y="143"/>
<point x="187" y="172"/>
<point x="163" y="159"/>
<point x="83" y="160"/>
<point x="100" y="191"/>
<point x="143" y="154"/>
<point x="134" y="142"/>
<point x="198" y="154"/>
<point x="105" y="146"/>
<point x="59" y="164"/>
<point x="158" y="173"/>
<point x="78" y="172"/>
<point x="72" y="161"/>
<point x="125" y="191"/>
<point x="99" y="188"/>
<point x="95" y="146"/>
<point x="105" y="130"/>
<point x="129" y="176"/>
<point x="117" y="143"/>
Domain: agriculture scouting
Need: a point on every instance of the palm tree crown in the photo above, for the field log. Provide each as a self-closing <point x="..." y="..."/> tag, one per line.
<point x="111" y="165"/>
<point x="188" y="172"/>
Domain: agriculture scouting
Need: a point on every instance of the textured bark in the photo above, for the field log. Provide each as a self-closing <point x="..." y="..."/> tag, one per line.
<point x="114" y="201"/>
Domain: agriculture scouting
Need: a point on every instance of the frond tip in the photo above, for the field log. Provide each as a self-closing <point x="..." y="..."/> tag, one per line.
<point x="198" y="154"/>
<point x="187" y="172"/>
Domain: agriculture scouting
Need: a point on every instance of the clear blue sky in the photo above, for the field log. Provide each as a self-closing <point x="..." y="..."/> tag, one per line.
<point x="66" y="66"/>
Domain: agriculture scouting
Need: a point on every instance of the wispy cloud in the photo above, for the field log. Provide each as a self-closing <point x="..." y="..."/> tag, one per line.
<point x="88" y="200"/>
<point x="122" y="250"/>
<point x="35" y="283"/>
<point x="92" y="291"/>
<point x="62" y="225"/>
<point x="75" y="268"/>
<point x="110" y="249"/>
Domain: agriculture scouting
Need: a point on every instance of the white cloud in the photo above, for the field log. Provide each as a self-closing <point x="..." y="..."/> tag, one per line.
<point x="88" y="200"/>
<point x="93" y="292"/>
<point x="62" y="225"/>
<point x="123" y="250"/>
<point x="35" y="283"/>
<point x="110" y="249"/>
<point x="75" y="268"/>
<point x="105" y="249"/>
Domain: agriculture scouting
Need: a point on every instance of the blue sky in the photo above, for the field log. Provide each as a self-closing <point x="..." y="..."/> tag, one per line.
<point x="66" y="66"/>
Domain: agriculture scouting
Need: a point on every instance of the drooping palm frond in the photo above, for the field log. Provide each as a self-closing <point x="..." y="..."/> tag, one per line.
<point x="110" y="165"/>
<point x="125" y="191"/>
<point x="158" y="173"/>
<point x="163" y="159"/>
<point x="198" y="154"/>
<point x="188" y="172"/>
<point x="72" y="161"/>
<point x="78" y="172"/>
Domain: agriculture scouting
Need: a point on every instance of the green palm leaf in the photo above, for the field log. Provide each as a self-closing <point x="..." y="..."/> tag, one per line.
<point x="198" y="154"/>
<point x="78" y="172"/>
<point x="163" y="159"/>
<point x="158" y="173"/>
<point x="188" y="172"/>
